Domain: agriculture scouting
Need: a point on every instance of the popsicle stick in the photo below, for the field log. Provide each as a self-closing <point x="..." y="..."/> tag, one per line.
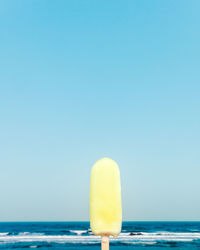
<point x="105" y="242"/>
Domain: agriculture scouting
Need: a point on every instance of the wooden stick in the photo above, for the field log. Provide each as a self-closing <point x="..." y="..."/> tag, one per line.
<point x="105" y="242"/>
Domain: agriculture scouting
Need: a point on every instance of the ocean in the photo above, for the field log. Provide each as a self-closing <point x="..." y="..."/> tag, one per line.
<point x="78" y="235"/>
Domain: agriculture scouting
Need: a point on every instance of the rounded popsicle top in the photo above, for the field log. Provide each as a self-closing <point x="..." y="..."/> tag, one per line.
<point x="106" y="163"/>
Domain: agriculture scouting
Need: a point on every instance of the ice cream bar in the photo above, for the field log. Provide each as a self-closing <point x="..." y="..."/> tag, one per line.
<point x="105" y="200"/>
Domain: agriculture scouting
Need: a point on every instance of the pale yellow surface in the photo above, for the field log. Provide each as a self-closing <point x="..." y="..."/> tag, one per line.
<point x="105" y="198"/>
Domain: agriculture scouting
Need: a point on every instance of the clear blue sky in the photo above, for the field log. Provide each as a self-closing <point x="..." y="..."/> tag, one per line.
<point x="80" y="80"/>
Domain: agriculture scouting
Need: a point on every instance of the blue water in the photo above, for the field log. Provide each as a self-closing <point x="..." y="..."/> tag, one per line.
<point x="77" y="235"/>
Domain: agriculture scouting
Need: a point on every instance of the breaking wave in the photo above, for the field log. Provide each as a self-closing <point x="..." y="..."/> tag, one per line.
<point x="123" y="238"/>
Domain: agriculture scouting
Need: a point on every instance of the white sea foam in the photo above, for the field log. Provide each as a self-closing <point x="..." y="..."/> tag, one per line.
<point x="144" y="238"/>
<point x="31" y="234"/>
<point x="124" y="234"/>
<point x="3" y="234"/>
<point x="24" y="233"/>
<point x="78" y="232"/>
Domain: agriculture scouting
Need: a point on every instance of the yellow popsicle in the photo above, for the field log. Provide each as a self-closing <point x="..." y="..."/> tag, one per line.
<point x="105" y="198"/>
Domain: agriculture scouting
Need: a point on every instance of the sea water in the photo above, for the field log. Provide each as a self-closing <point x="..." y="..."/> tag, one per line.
<point x="78" y="235"/>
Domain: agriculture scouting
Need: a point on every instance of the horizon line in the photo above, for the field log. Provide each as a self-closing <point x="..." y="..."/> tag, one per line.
<point x="89" y="221"/>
